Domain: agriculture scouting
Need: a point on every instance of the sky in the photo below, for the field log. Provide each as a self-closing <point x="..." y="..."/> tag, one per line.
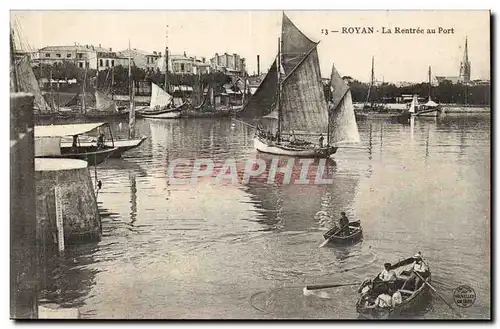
<point x="398" y="57"/>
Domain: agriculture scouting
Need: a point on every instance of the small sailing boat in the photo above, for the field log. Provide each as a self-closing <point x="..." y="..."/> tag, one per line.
<point x="413" y="105"/>
<point x="290" y="101"/>
<point x="430" y="108"/>
<point x="162" y="104"/>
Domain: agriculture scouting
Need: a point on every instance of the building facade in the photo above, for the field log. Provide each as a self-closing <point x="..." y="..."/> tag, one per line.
<point x="229" y="64"/>
<point x="81" y="56"/>
<point x="140" y="58"/>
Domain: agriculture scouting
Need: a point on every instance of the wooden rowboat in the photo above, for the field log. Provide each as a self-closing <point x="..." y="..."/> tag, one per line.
<point x="413" y="300"/>
<point x="355" y="234"/>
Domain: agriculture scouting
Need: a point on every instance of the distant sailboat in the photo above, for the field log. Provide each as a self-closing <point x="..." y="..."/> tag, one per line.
<point x="430" y="108"/>
<point x="413" y="105"/>
<point x="162" y="104"/>
<point x="290" y="101"/>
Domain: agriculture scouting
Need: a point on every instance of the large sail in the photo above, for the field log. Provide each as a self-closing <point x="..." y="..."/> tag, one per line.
<point x="159" y="97"/>
<point x="27" y="83"/>
<point x="343" y="126"/>
<point x="303" y="106"/>
<point x="104" y="103"/>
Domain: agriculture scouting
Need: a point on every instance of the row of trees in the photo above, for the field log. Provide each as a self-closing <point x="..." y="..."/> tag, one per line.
<point x="119" y="76"/>
<point x="445" y="92"/>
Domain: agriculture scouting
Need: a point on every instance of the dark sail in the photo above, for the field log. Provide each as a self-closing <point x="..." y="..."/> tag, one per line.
<point x="261" y="103"/>
<point x="303" y="101"/>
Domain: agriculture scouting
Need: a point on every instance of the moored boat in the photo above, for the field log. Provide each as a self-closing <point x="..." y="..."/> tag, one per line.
<point x="412" y="300"/>
<point x="355" y="234"/>
<point x="48" y="142"/>
<point x="161" y="105"/>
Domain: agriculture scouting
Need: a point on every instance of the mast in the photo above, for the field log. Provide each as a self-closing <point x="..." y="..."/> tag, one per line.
<point x="279" y="86"/>
<point x="112" y="81"/>
<point x="371" y="83"/>
<point x="83" y="90"/>
<point x="430" y="85"/>
<point x="131" y="113"/>
<point x="166" y="60"/>
<point x="13" y="58"/>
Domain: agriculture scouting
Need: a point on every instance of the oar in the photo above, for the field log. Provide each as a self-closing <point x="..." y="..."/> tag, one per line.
<point x="324" y="286"/>
<point x="439" y="295"/>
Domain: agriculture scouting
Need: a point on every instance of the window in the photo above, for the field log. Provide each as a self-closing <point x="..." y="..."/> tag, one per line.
<point x="80" y="55"/>
<point x="112" y="62"/>
<point x="100" y="62"/>
<point x="47" y="55"/>
<point x="80" y="65"/>
<point x="58" y="55"/>
<point x="107" y="62"/>
<point x="182" y="67"/>
<point x="68" y="55"/>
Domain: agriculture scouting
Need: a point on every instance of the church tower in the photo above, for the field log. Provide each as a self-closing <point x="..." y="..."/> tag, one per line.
<point x="465" y="65"/>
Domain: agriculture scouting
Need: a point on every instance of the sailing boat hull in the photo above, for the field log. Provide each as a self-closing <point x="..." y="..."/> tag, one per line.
<point x="165" y="115"/>
<point x="291" y="150"/>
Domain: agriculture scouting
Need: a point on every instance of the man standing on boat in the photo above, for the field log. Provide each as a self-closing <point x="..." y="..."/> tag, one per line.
<point x="344" y="224"/>
<point x="321" y="139"/>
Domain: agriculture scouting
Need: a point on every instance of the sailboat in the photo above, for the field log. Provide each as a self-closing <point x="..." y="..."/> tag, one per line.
<point x="290" y="101"/>
<point x="430" y="108"/>
<point x="162" y="104"/>
<point x="23" y="80"/>
<point x="413" y="105"/>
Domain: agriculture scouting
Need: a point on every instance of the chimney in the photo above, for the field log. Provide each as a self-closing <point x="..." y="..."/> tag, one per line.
<point x="184" y="53"/>
<point x="203" y="59"/>
<point x="258" y="65"/>
<point x="110" y="49"/>
<point x="100" y="46"/>
<point x="159" y="53"/>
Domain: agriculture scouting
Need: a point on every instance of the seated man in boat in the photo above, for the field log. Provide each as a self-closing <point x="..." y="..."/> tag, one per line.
<point x="344" y="224"/>
<point x="384" y="300"/>
<point x="420" y="267"/>
<point x="397" y="298"/>
<point x="100" y="141"/>
<point x="74" y="146"/>
<point x="385" y="280"/>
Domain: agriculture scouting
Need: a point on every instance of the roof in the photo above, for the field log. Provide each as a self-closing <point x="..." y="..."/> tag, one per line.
<point x="66" y="130"/>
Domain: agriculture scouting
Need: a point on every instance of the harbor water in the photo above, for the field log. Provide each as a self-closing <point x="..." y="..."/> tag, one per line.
<point x="246" y="250"/>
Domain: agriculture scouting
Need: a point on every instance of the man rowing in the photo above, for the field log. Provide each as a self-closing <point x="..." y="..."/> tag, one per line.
<point x="420" y="267"/>
<point x="344" y="224"/>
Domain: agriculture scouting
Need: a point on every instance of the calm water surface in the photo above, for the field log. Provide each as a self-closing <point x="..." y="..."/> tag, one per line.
<point x="246" y="250"/>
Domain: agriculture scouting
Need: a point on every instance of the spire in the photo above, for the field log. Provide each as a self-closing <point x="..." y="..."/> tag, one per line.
<point x="466" y="51"/>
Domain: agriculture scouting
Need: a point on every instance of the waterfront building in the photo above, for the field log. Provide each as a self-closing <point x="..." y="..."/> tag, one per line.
<point x="229" y="64"/>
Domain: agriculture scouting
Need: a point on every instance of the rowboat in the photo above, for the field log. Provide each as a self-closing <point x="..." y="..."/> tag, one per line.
<point x="355" y="234"/>
<point x="412" y="300"/>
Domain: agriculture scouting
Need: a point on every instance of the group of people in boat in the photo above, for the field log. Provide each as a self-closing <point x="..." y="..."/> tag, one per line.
<point x="74" y="146"/>
<point x="292" y="140"/>
<point x="385" y="291"/>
